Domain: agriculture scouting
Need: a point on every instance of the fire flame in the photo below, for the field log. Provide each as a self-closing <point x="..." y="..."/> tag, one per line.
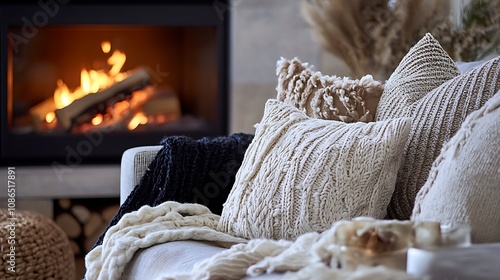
<point x="97" y="120"/>
<point x="92" y="81"/>
<point x="50" y="117"/>
<point x="138" y="119"/>
<point x="106" y="46"/>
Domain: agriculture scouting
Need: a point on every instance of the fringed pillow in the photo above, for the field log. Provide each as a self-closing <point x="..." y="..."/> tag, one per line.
<point x="464" y="183"/>
<point x="427" y="87"/>
<point x="327" y="97"/>
<point x="301" y="174"/>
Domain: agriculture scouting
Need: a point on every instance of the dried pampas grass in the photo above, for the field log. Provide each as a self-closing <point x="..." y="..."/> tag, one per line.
<point x="372" y="36"/>
<point x="478" y="34"/>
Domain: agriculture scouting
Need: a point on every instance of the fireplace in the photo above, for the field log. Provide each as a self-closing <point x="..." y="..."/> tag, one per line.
<point x="83" y="81"/>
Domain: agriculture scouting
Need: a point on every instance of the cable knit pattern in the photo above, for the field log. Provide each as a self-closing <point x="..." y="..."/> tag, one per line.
<point x="464" y="183"/>
<point x="426" y="66"/>
<point x="301" y="174"/>
<point x="187" y="170"/>
<point x="327" y="97"/>
<point x="436" y="117"/>
<point x="169" y="221"/>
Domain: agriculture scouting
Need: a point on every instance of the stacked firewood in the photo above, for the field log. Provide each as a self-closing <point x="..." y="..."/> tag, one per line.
<point x="83" y="220"/>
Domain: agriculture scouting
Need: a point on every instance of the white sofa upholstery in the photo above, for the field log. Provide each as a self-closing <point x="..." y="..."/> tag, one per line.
<point x="134" y="163"/>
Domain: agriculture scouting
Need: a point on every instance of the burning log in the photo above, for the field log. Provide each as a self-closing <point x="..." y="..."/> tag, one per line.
<point x="40" y="111"/>
<point x="84" y="109"/>
<point x="120" y="114"/>
<point x="164" y="105"/>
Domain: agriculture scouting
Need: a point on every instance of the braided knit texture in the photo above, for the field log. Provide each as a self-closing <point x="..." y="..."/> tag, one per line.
<point x="327" y="97"/>
<point x="169" y="221"/>
<point x="188" y="171"/>
<point x="464" y="183"/>
<point x="436" y="113"/>
<point x="301" y="174"/>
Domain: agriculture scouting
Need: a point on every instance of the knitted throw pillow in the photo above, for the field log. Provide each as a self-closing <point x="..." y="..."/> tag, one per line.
<point x="327" y="97"/>
<point x="301" y="174"/>
<point x="425" y="67"/>
<point x="437" y="114"/>
<point x="464" y="183"/>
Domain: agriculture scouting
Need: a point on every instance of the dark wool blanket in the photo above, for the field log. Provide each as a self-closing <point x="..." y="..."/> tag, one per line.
<point x="188" y="171"/>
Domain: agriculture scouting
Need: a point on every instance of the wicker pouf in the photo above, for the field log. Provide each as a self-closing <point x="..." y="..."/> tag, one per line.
<point x="42" y="249"/>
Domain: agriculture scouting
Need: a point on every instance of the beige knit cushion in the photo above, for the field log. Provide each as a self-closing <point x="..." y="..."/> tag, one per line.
<point x="464" y="183"/>
<point x="327" y="97"/>
<point x="301" y="174"/>
<point x="425" y="67"/>
<point x="437" y="114"/>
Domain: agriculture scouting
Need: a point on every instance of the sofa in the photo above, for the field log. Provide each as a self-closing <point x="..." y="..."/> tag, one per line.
<point x="180" y="256"/>
<point x="416" y="150"/>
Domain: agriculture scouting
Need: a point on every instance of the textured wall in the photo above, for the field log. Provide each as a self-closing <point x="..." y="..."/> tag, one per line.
<point x="262" y="32"/>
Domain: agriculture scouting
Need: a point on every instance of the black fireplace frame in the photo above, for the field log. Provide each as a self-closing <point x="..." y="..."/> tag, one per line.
<point x="42" y="150"/>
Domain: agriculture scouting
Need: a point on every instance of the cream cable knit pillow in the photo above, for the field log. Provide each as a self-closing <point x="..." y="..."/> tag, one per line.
<point x="464" y="184"/>
<point x="327" y="97"/>
<point x="301" y="174"/>
<point x="436" y="113"/>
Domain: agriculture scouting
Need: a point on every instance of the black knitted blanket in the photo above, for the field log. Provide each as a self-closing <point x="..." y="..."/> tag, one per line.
<point x="188" y="171"/>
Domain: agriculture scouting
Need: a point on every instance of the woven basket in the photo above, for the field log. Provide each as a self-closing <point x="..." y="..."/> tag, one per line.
<point x="42" y="249"/>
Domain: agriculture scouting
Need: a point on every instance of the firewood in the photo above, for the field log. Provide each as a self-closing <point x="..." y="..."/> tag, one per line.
<point x="69" y="225"/>
<point x="166" y="105"/>
<point x="94" y="224"/>
<point x="81" y="213"/>
<point x="64" y="203"/>
<point x="74" y="247"/>
<point x="84" y="109"/>
<point x="109" y="212"/>
<point x="39" y="111"/>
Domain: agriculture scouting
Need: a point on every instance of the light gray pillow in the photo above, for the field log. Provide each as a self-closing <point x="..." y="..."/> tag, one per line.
<point x="427" y="88"/>
<point x="464" y="183"/>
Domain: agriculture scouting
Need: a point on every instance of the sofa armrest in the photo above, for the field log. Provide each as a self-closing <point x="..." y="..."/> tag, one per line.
<point x="134" y="163"/>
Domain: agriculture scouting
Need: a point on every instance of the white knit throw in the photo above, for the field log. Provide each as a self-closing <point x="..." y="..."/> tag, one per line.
<point x="311" y="256"/>
<point x="170" y="221"/>
<point x="307" y="257"/>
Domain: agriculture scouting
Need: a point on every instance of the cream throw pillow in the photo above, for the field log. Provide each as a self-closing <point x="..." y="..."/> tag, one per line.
<point x="464" y="183"/>
<point x="301" y="174"/>
<point x="327" y="97"/>
<point x="436" y="113"/>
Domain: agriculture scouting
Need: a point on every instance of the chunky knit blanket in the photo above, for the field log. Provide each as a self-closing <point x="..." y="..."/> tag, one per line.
<point x="188" y="171"/>
<point x="169" y="221"/>
<point x="310" y="255"/>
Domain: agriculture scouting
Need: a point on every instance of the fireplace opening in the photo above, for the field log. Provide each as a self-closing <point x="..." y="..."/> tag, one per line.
<point x="70" y="80"/>
<point x="96" y="88"/>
